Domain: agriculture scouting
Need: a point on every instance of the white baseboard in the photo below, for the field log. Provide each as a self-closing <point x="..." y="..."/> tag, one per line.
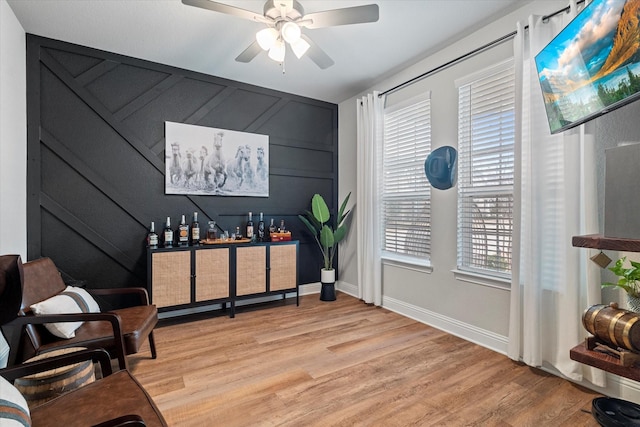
<point x="452" y="326"/>
<point x="621" y="388"/>
<point x="347" y="288"/>
<point x="314" y="288"/>
<point x="309" y="288"/>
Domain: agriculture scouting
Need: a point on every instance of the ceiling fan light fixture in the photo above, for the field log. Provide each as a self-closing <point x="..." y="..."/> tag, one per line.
<point x="267" y="38"/>
<point x="291" y="32"/>
<point x="277" y="51"/>
<point x="284" y="20"/>
<point x="300" y="47"/>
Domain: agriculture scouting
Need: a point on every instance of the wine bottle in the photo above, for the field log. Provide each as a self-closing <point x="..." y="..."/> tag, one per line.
<point x="183" y="233"/>
<point x="195" y="230"/>
<point x="250" y="227"/>
<point x="168" y="234"/>
<point x="152" y="237"/>
<point x="261" y="236"/>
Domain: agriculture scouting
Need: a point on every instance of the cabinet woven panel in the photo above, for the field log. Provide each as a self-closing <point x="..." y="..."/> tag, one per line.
<point x="212" y="274"/>
<point x="171" y="278"/>
<point x="283" y="267"/>
<point x="251" y="270"/>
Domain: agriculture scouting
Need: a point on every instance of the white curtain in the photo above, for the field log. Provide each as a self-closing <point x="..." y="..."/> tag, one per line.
<point x="370" y="110"/>
<point x="555" y="199"/>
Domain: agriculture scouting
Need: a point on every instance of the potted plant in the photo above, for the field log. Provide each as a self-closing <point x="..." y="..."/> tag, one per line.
<point x="628" y="280"/>
<point x="327" y="234"/>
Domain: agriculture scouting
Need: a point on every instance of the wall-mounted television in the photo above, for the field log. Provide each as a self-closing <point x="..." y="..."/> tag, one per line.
<point x="593" y="65"/>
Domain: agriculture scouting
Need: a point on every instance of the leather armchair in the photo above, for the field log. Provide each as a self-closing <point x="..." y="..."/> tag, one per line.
<point x="115" y="400"/>
<point x="121" y="331"/>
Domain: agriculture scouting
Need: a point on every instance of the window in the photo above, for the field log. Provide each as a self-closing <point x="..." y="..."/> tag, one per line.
<point x="486" y="134"/>
<point x="405" y="198"/>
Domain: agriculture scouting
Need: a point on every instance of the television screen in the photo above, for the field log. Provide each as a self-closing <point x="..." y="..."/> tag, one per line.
<point x="593" y="65"/>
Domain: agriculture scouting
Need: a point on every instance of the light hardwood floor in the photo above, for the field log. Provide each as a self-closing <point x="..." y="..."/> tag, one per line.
<point x="344" y="363"/>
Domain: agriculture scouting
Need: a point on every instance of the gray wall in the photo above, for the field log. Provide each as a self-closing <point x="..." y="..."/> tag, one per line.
<point x="471" y="309"/>
<point x="96" y="157"/>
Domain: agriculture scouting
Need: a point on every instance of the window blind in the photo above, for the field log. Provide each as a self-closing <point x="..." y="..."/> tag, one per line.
<point x="405" y="201"/>
<point x="486" y="134"/>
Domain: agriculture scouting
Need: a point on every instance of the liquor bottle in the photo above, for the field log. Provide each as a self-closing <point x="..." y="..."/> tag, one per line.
<point x="152" y="237"/>
<point x="250" y="227"/>
<point x="261" y="230"/>
<point x="282" y="229"/>
<point x="212" y="234"/>
<point x="168" y="234"/>
<point x="195" y="230"/>
<point x="272" y="227"/>
<point x="238" y="234"/>
<point x="183" y="233"/>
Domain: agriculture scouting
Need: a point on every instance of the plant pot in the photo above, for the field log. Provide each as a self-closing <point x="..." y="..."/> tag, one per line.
<point x="328" y="285"/>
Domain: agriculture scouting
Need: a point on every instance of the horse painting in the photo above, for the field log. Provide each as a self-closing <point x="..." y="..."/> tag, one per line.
<point x="189" y="169"/>
<point x="208" y="161"/>
<point x="261" y="167"/>
<point x="201" y="176"/>
<point x="215" y="165"/>
<point x="175" y="170"/>
<point x="236" y="167"/>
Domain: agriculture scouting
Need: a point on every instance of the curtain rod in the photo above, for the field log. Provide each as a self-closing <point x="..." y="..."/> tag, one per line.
<point x="470" y="54"/>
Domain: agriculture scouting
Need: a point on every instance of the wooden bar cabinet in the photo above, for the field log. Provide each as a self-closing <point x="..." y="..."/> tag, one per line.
<point x="186" y="277"/>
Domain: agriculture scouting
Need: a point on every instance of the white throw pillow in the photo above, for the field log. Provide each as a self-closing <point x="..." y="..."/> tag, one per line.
<point x="14" y="411"/>
<point x="71" y="300"/>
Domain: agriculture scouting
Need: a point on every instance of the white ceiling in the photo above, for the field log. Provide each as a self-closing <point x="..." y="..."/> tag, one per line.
<point x="169" y="32"/>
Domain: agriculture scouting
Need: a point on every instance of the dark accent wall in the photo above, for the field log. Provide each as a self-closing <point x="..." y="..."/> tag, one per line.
<point x="95" y="172"/>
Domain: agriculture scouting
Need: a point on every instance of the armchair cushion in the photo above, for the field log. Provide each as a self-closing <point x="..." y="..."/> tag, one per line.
<point x="13" y="407"/>
<point x="71" y="300"/>
<point x="136" y="323"/>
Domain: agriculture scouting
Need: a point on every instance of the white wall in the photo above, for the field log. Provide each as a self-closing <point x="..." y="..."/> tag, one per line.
<point x="13" y="135"/>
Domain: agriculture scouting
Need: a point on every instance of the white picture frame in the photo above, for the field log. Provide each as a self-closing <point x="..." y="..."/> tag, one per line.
<point x="201" y="160"/>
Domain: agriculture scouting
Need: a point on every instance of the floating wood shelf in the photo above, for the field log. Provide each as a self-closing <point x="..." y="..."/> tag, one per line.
<point x="604" y="361"/>
<point x="581" y="353"/>
<point x="598" y="241"/>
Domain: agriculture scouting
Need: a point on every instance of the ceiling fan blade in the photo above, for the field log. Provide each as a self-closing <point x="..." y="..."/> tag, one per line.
<point x="225" y="8"/>
<point x="317" y="55"/>
<point x="345" y="16"/>
<point x="250" y="52"/>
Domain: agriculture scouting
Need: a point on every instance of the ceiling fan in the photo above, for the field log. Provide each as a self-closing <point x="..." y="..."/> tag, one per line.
<point x="284" y="19"/>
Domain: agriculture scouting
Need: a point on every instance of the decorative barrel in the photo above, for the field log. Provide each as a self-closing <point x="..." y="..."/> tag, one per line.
<point x="43" y="386"/>
<point x="614" y="326"/>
